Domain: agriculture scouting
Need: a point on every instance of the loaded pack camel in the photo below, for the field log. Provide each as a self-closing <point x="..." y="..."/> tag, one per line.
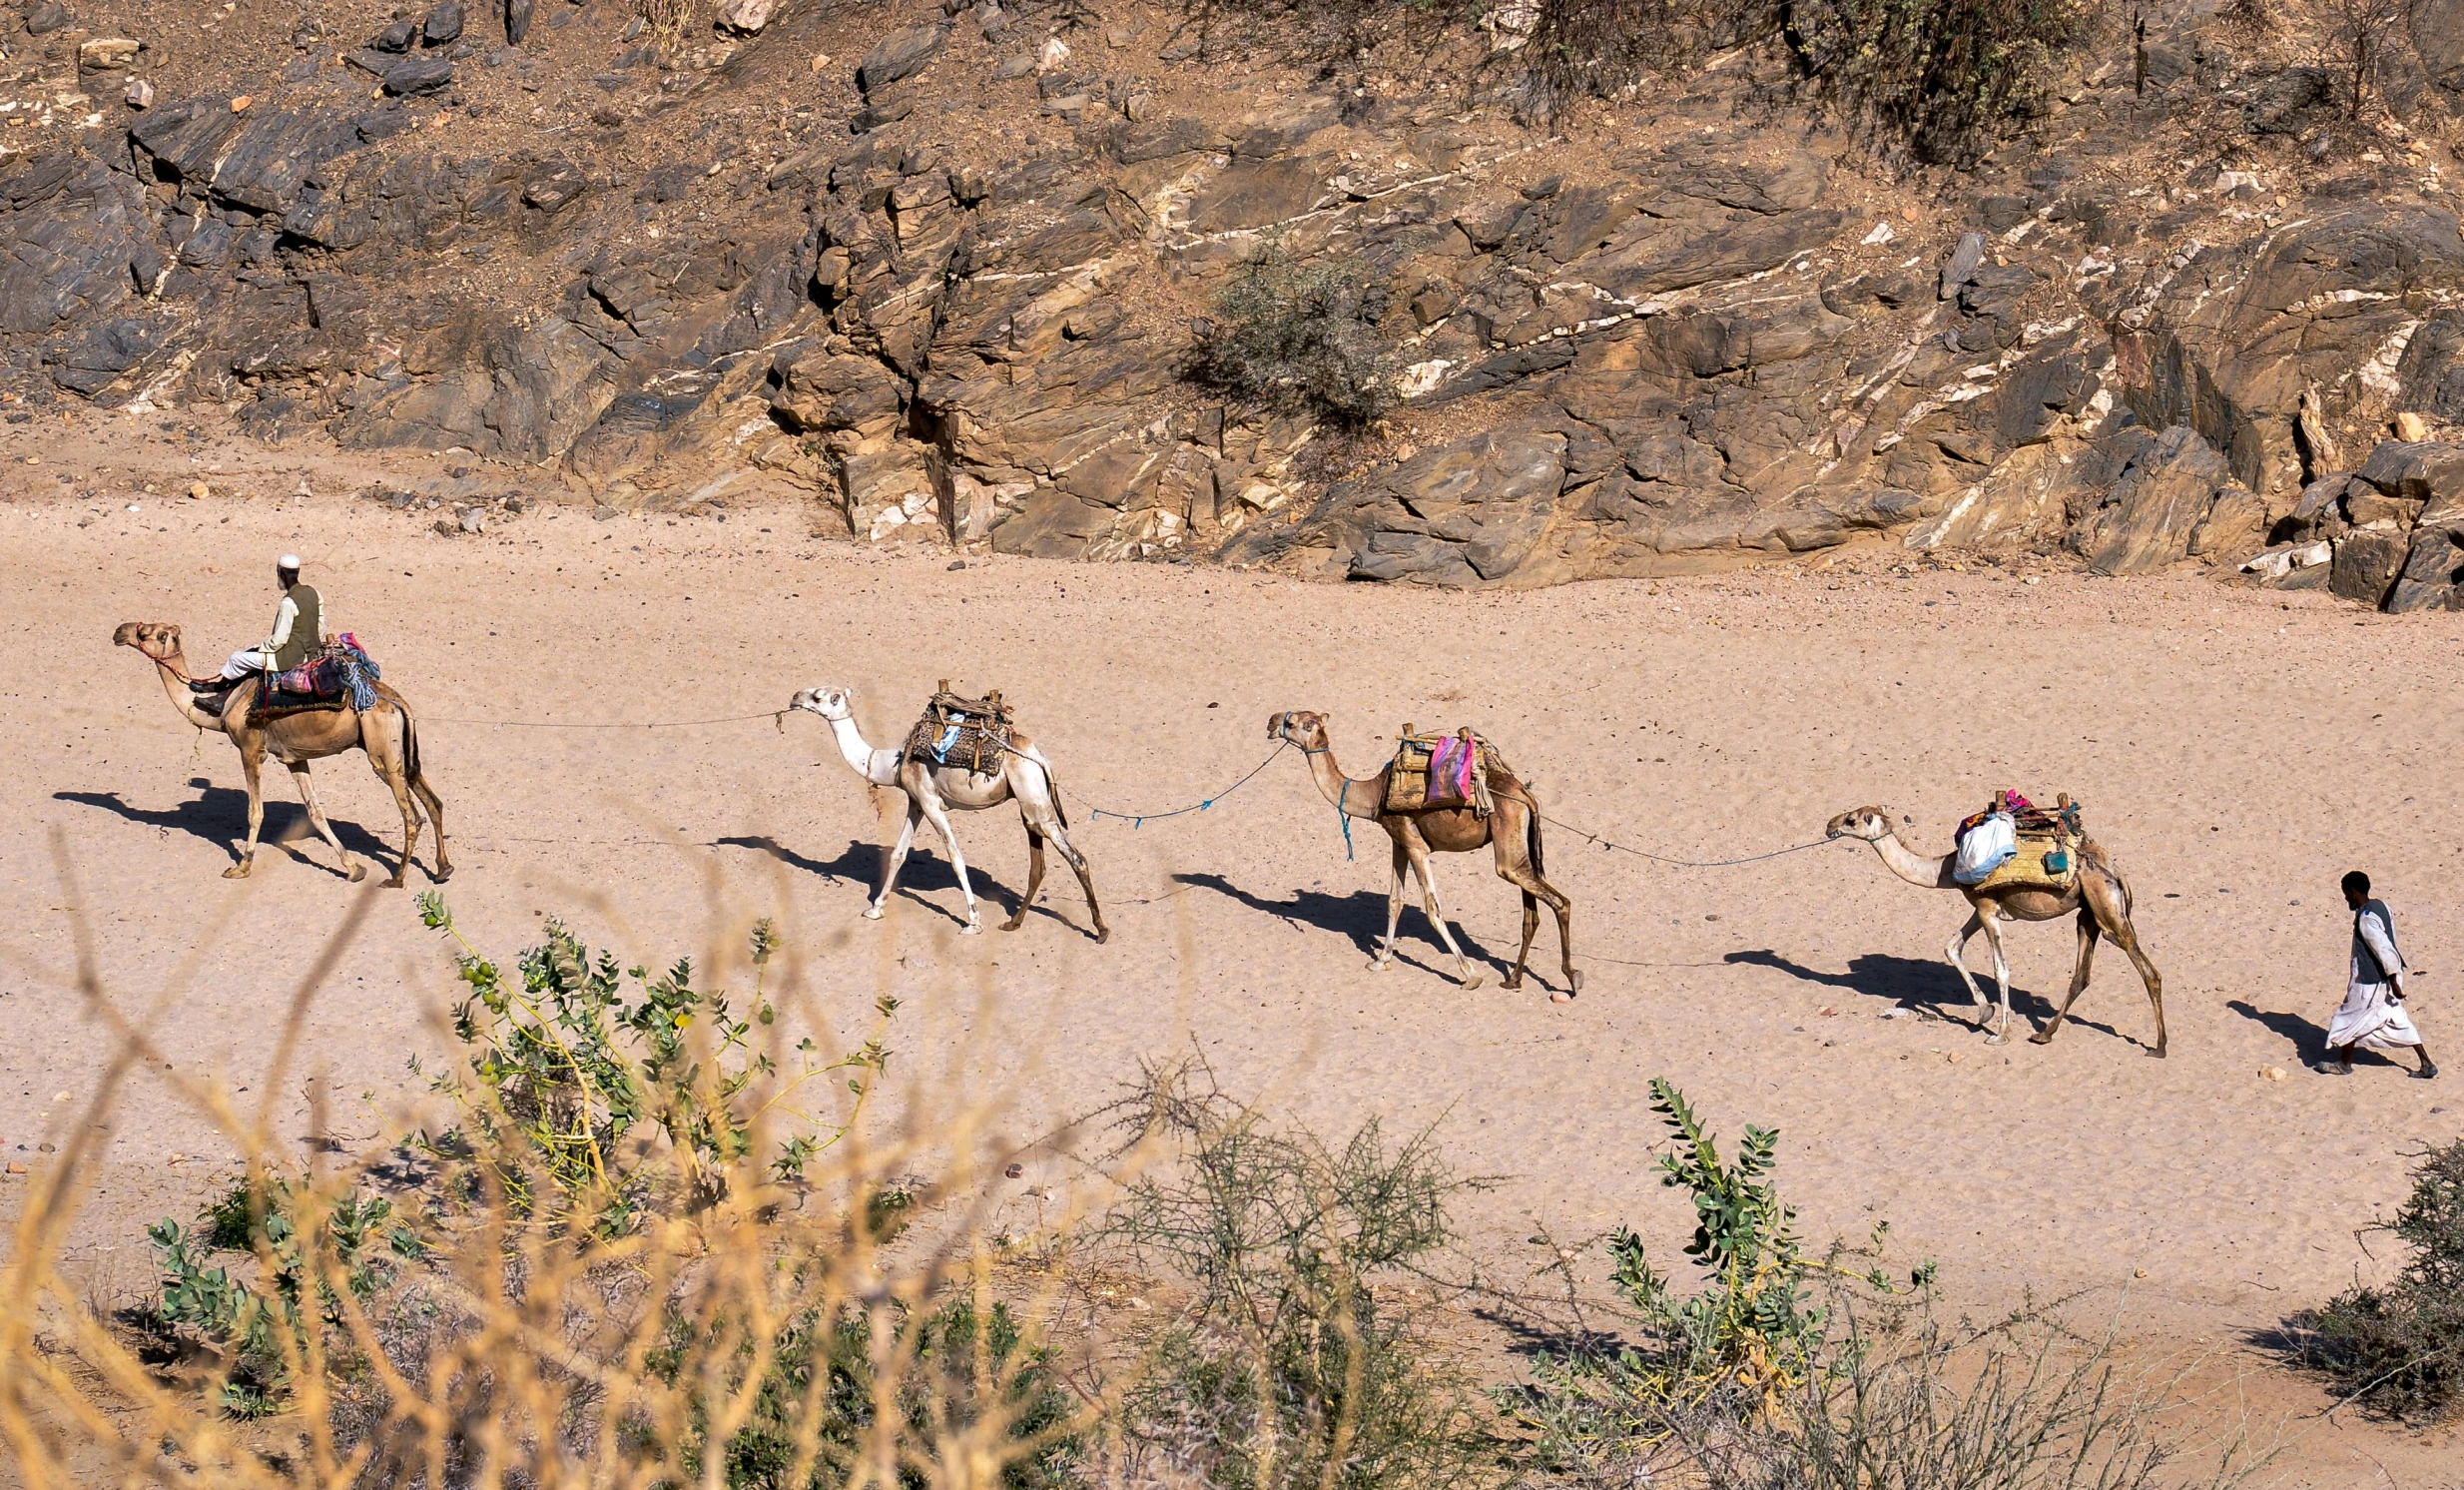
<point x="933" y="791"/>
<point x="1512" y="829"/>
<point x="2097" y="892"/>
<point x="385" y="732"/>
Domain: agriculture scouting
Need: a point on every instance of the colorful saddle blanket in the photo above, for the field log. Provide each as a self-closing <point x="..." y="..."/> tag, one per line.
<point x="972" y="734"/>
<point x="340" y="676"/>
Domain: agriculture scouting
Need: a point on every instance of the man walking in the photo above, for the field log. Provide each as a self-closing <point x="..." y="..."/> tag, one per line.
<point x="2372" y="1014"/>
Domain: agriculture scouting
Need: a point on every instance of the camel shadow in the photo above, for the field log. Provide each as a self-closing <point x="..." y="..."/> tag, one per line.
<point x="1359" y="916"/>
<point x="1921" y="985"/>
<point x="218" y="815"/>
<point x="925" y="873"/>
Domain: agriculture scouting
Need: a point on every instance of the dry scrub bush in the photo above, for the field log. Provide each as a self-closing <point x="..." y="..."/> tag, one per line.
<point x="668" y="22"/>
<point x="1300" y="338"/>
<point x="641" y="1256"/>
<point x="2399" y="1351"/>
<point x="1300" y="1357"/>
<point x="1788" y="1374"/>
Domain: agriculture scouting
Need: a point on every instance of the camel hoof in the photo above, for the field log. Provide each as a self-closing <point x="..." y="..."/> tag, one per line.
<point x="873" y="913"/>
<point x="1575" y="981"/>
<point x="440" y="874"/>
<point x="2157" y="1052"/>
<point x="1104" y="934"/>
<point x="1469" y="983"/>
<point x="393" y="883"/>
<point x="357" y="872"/>
<point x="239" y="871"/>
<point x="2041" y="1036"/>
<point x="1512" y="985"/>
<point x="1013" y="923"/>
<point x="1993" y="1039"/>
<point x="972" y="928"/>
<point x="1377" y="965"/>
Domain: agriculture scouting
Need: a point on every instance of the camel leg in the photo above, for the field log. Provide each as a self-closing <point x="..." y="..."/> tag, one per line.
<point x="388" y="757"/>
<point x="436" y="820"/>
<point x="1086" y="882"/>
<point x="938" y="815"/>
<point x="1957" y="952"/>
<point x="897" y="859"/>
<point x="2002" y="977"/>
<point x="1519" y="873"/>
<point x="1382" y="955"/>
<point x="1436" y="917"/>
<point x="2079" y="977"/>
<point x="353" y="869"/>
<point x="1034" y="877"/>
<point x="2127" y="940"/>
<point x="251" y="763"/>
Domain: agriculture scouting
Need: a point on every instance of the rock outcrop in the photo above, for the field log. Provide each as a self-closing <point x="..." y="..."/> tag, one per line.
<point x="940" y="267"/>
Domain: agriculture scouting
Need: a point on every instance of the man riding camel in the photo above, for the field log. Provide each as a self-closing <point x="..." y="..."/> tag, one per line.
<point x="299" y="629"/>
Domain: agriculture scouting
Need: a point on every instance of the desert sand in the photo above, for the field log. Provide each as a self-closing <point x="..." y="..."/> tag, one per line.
<point x="2234" y="751"/>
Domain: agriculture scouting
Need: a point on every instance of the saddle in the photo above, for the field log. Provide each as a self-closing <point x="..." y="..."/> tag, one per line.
<point x="972" y="734"/>
<point x="1441" y="771"/>
<point x="340" y="676"/>
<point x="2049" y="845"/>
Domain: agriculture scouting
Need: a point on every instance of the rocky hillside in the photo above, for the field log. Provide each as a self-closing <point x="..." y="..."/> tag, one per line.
<point x="944" y="268"/>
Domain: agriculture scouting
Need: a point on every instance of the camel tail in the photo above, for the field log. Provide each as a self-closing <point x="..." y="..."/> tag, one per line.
<point x="1532" y="836"/>
<point x="410" y="741"/>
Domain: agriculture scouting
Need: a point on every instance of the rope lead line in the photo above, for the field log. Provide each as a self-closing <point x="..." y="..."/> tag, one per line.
<point x="1139" y="819"/>
<point x="1679" y="863"/>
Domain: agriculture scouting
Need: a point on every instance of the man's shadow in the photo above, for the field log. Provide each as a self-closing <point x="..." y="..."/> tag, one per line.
<point x="924" y="873"/>
<point x="2309" y="1042"/>
<point x="1920" y="985"/>
<point x="1361" y="918"/>
<point x="218" y="815"/>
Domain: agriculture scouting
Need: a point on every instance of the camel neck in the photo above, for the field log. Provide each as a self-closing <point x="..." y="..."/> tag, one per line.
<point x="1930" y="871"/>
<point x="858" y="755"/>
<point x="1357" y="799"/>
<point x="174" y="672"/>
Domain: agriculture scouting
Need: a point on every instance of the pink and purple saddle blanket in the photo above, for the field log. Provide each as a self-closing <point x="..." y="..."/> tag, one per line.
<point x="1451" y="767"/>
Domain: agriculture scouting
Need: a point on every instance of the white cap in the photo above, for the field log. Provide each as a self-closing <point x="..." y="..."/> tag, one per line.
<point x="289" y="562"/>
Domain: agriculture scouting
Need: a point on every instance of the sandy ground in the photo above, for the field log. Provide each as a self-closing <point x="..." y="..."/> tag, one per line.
<point x="2234" y="751"/>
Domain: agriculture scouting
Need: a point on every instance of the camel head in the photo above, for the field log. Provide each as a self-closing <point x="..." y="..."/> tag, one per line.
<point x="159" y="640"/>
<point x="831" y="702"/>
<point x="1873" y="824"/>
<point x="1298" y="727"/>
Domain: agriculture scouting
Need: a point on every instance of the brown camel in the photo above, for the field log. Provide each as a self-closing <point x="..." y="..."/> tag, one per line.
<point x="2097" y="892"/>
<point x="1513" y="828"/>
<point x="385" y="732"/>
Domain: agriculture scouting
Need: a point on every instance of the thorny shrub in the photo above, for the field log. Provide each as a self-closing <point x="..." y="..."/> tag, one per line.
<point x="2400" y="1349"/>
<point x="1300" y="338"/>
<point x="1299" y="1358"/>
<point x="1788" y="1374"/>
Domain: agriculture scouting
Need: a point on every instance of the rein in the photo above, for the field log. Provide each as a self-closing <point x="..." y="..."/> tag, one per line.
<point x="1342" y="819"/>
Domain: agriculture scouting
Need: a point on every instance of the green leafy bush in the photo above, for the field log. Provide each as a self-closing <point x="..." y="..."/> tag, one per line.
<point x="566" y="1074"/>
<point x="257" y="1323"/>
<point x="1299" y="338"/>
<point x="2400" y="1349"/>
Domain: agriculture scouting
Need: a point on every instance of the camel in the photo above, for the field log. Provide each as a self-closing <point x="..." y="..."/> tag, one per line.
<point x="385" y="732"/>
<point x="933" y="792"/>
<point x="2097" y="892"/>
<point x="1512" y="829"/>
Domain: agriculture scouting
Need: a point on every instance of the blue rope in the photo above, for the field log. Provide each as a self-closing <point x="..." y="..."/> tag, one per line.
<point x="1344" y="819"/>
<point x="1139" y="819"/>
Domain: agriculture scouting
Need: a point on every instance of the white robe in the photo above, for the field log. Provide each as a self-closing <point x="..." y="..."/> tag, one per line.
<point x="2370" y="1016"/>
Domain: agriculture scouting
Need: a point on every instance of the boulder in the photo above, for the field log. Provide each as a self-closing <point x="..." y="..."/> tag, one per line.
<point x="518" y="16"/>
<point x="444" y="25"/>
<point x="2165" y="495"/>
<point x="1464" y="514"/>
<point x="2366" y="565"/>
<point x="395" y="37"/>
<point x="46" y="16"/>
<point x="2424" y="471"/>
<point x="746" y="17"/>
<point x="2433" y="568"/>
<point x="106" y="54"/>
<point x="416" y="75"/>
<point x="897" y="56"/>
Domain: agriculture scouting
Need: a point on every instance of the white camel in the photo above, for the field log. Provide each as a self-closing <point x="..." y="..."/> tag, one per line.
<point x="933" y="792"/>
